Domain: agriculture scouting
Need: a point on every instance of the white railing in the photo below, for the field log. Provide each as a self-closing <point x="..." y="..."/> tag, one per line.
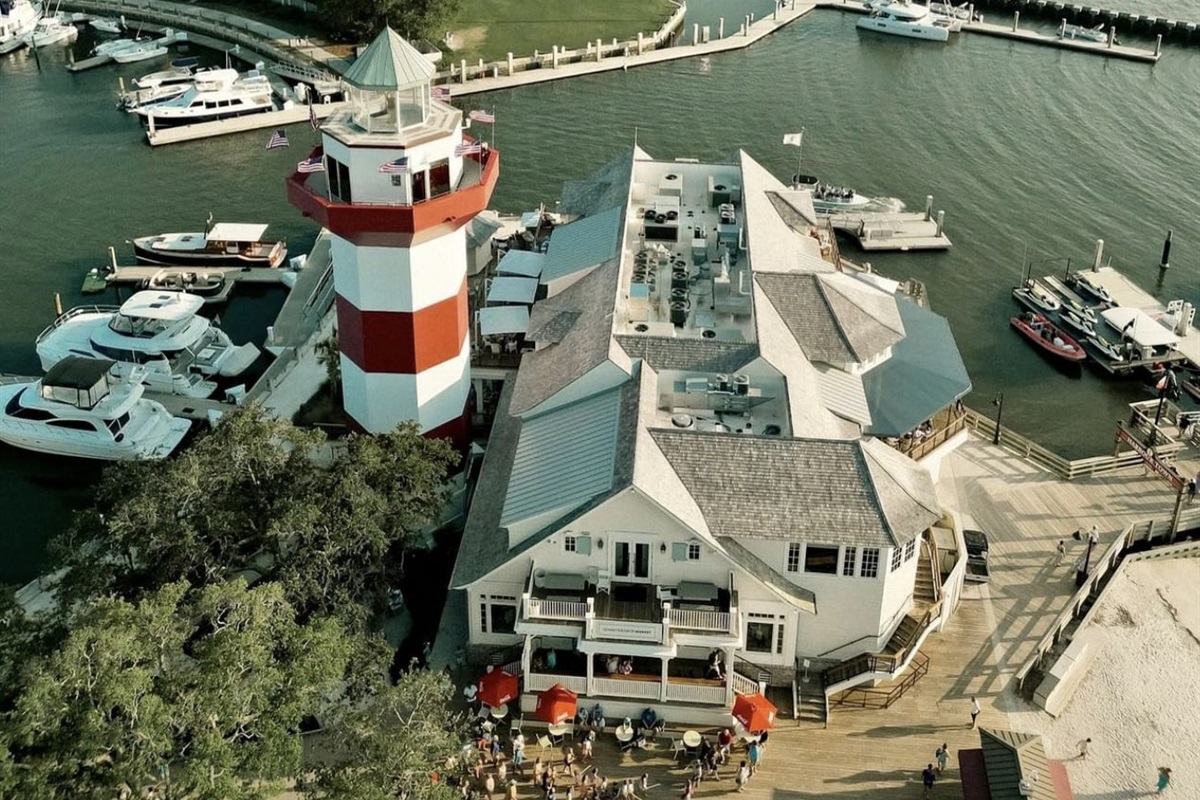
<point x="692" y="693"/>
<point x="555" y="609"/>
<point x="742" y="684"/>
<point x="615" y="687"/>
<point x="699" y="620"/>
<point x="540" y="682"/>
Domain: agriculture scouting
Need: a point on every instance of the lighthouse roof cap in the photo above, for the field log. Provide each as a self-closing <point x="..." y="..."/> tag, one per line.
<point x="389" y="63"/>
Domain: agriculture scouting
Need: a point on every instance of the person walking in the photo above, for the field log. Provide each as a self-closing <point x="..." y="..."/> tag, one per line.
<point x="975" y="709"/>
<point x="928" y="776"/>
<point x="942" y="756"/>
<point x="1094" y="535"/>
<point x="1062" y="552"/>
<point x="753" y="754"/>
<point x="743" y="775"/>
<point x="1084" y="744"/>
<point x="1164" y="778"/>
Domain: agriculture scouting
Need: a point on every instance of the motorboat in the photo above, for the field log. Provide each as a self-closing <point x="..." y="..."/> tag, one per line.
<point x="166" y="77"/>
<point x="829" y="199"/>
<point x="115" y="45"/>
<point x="162" y="331"/>
<point x="212" y="287"/>
<point x="1047" y="336"/>
<point x="1082" y="282"/>
<point x="224" y="244"/>
<point x="106" y="25"/>
<point x="158" y="87"/>
<point x="1036" y="297"/>
<point x="216" y="94"/>
<point x="18" y="18"/>
<point x="902" y="18"/>
<point x="85" y="407"/>
<point x="1080" y="33"/>
<point x="52" y="30"/>
<point x="962" y="11"/>
<point x="1080" y="325"/>
<point x="139" y="51"/>
<point x="1069" y="299"/>
<point x="1109" y="349"/>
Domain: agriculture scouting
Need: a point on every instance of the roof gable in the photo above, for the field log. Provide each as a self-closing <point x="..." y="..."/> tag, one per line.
<point x="389" y="63"/>
<point x="1009" y="757"/>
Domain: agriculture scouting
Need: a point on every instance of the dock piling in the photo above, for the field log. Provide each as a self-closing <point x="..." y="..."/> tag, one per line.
<point x="928" y="207"/>
<point x="58" y="304"/>
<point x="695" y="32"/>
<point x="721" y="28"/>
<point x="1016" y="20"/>
<point x="1165" y="263"/>
<point x="941" y="219"/>
<point x="1158" y="45"/>
<point x="1099" y="255"/>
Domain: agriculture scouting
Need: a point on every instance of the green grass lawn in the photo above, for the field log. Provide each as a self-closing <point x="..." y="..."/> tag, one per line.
<point x="491" y="28"/>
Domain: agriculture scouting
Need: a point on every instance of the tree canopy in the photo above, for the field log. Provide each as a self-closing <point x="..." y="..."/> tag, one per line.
<point x="414" y="19"/>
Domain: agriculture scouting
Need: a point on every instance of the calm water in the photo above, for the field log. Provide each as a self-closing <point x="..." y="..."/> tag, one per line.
<point x="1021" y="145"/>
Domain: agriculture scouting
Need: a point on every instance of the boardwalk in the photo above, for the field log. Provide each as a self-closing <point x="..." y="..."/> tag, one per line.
<point x="879" y="754"/>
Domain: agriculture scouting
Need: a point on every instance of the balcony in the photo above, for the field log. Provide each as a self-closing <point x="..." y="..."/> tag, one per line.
<point x="588" y="676"/>
<point x="641" y="612"/>
<point x="384" y="225"/>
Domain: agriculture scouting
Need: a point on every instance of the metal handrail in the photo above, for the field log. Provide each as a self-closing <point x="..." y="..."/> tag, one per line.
<point x="75" y="312"/>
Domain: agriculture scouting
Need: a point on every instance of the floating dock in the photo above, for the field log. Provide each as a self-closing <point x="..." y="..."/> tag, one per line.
<point x="250" y="122"/>
<point x="142" y="272"/>
<point x="890" y="230"/>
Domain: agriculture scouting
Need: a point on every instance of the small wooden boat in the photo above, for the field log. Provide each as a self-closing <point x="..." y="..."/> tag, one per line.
<point x="1048" y="336"/>
<point x="1076" y="323"/>
<point x="1036" y="297"/>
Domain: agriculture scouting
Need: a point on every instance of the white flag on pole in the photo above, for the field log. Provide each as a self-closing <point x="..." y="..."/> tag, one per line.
<point x="792" y="138"/>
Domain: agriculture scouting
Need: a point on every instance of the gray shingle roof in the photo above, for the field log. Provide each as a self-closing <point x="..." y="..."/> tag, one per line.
<point x="607" y="187"/>
<point x="583" y="347"/>
<point x="816" y="490"/>
<point x="583" y="244"/>
<point x="701" y="355"/>
<point x="832" y="319"/>
<point x="549" y="324"/>
<point x="388" y="63"/>
<point x="1007" y="757"/>
<point x="564" y="457"/>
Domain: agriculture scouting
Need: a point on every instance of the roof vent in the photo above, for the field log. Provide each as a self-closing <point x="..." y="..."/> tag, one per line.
<point x="708" y="333"/>
<point x="772" y="430"/>
<point x="683" y="420"/>
<point x="641" y="327"/>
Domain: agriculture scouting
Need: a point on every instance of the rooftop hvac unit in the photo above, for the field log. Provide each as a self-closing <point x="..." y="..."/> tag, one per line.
<point x="723" y="384"/>
<point x="741" y="384"/>
<point x="696" y="385"/>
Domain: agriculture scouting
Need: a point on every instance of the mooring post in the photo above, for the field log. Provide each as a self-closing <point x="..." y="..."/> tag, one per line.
<point x="1158" y="45"/>
<point x="1166" y="254"/>
<point x="695" y="33"/>
<point x="510" y="63"/>
<point x="554" y="56"/>
<point x="1016" y="20"/>
<point x="599" y="46"/>
<point x="1099" y="255"/>
<point x="928" y="207"/>
<point x="1112" y="36"/>
<point x="721" y="28"/>
<point x="641" y="42"/>
<point x="941" y="218"/>
<point x="463" y="76"/>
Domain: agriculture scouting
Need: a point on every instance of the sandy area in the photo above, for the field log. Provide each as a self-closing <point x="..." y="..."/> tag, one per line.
<point x="1140" y="702"/>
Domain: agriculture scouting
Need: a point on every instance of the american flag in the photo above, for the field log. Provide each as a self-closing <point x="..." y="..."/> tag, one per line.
<point x="468" y="149"/>
<point x="278" y="139"/>
<point x="312" y="116"/>
<point x="399" y="166"/>
<point x="314" y="164"/>
<point x="482" y="116"/>
<point x="441" y="93"/>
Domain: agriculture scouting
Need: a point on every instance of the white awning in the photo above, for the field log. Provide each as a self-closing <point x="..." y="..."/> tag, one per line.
<point x="523" y="263"/>
<point x="507" y="289"/>
<point x="235" y="232"/>
<point x="503" y="319"/>
<point x="1139" y="326"/>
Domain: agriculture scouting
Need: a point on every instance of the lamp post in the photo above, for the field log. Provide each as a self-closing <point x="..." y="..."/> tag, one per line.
<point x="998" y="402"/>
<point x="1082" y="567"/>
<point x="1167" y="386"/>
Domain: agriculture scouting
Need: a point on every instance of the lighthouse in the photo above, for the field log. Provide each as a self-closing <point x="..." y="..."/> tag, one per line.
<point x="401" y="182"/>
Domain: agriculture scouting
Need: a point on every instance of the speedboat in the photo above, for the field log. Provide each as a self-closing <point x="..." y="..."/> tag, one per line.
<point x="166" y="77"/>
<point x="902" y="18"/>
<point x="1035" y="297"/>
<point x="162" y="331"/>
<point x="1079" y="324"/>
<point x="139" y="51"/>
<point x="1081" y="281"/>
<point x="85" y="407"/>
<point x="829" y="199"/>
<point x="106" y="25"/>
<point x="1047" y="336"/>
<point x="52" y="30"/>
<point x="1110" y="349"/>
<point x="115" y="45"/>
<point x="225" y="244"/>
<point x="1083" y="34"/>
<point x="212" y="287"/>
<point x="18" y="18"/>
<point x="216" y="94"/>
<point x="158" y="87"/>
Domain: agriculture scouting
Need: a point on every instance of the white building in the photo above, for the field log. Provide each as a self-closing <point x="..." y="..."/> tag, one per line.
<point x="686" y="461"/>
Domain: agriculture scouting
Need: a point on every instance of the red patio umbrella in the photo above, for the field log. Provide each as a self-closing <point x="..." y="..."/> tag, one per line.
<point x="556" y="704"/>
<point x="497" y="688"/>
<point x="754" y="712"/>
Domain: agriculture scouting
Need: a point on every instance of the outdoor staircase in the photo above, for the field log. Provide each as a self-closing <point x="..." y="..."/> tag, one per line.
<point x="926" y="585"/>
<point x="811" y="710"/>
<point x="906" y="632"/>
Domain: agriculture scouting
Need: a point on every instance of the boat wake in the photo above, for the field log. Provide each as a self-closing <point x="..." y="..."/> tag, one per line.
<point x="892" y="205"/>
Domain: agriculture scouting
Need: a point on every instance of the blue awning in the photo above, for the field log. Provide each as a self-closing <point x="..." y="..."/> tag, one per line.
<point x="924" y="375"/>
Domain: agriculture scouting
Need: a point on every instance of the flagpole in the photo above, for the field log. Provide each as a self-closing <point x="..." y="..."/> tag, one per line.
<point x="800" y="151"/>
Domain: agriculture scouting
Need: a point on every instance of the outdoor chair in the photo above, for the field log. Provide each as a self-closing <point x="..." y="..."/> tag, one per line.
<point x="514" y="725"/>
<point x="571" y="730"/>
<point x="544" y="742"/>
<point x="677" y="747"/>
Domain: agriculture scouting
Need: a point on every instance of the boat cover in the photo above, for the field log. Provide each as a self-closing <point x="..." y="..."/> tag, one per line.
<point x="924" y="375"/>
<point x="77" y="372"/>
<point x="236" y="232"/>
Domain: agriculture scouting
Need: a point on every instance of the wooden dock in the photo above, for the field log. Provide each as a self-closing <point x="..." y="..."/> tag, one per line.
<point x="269" y="119"/>
<point x="141" y="272"/>
<point x="887" y="230"/>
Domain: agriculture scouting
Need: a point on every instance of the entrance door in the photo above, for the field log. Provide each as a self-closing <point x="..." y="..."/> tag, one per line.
<point x="631" y="561"/>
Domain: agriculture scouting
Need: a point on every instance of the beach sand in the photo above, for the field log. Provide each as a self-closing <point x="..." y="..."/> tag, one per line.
<point x="1140" y="702"/>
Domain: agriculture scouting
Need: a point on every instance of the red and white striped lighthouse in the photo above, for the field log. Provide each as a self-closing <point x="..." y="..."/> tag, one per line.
<point x="401" y="183"/>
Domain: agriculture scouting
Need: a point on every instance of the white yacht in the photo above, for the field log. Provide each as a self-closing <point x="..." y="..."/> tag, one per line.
<point x="52" y="30"/>
<point x="17" y="20"/>
<point x="216" y="94"/>
<point x="829" y="199"/>
<point x="902" y="18"/>
<point x="162" y="331"/>
<point x="84" y="407"/>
